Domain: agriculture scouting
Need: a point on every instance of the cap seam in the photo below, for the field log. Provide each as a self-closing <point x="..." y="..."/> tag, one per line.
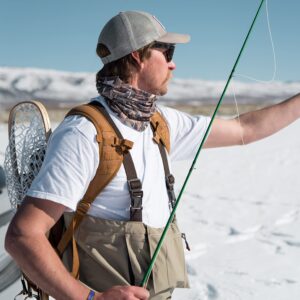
<point x="126" y="22"/>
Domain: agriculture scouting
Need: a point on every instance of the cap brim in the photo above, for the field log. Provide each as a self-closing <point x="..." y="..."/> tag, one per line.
<point x="174" y="38"/>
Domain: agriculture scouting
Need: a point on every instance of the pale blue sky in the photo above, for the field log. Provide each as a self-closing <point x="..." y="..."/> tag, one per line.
<point x="62" y="34"/>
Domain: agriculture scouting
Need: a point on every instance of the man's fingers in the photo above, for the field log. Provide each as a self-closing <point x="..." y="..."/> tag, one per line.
<point x="124" y="293"/>
<point x="140" y="293"/>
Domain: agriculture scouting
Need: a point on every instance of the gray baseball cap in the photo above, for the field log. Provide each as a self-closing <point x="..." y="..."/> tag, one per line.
<point x="131" y="30"/>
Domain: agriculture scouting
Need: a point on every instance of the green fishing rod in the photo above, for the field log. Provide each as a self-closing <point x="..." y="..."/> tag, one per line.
<point x="159" y="245"/>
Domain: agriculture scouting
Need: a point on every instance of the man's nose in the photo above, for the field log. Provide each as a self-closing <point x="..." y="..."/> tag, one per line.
<point x="172" y="65"/>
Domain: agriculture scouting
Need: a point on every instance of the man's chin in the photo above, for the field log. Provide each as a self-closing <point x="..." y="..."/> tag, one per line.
<point x="162" y="91"/>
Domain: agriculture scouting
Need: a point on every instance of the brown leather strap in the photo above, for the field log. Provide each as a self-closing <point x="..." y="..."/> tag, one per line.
<point x="75" y="261"/>
<point x="170" y="179"/>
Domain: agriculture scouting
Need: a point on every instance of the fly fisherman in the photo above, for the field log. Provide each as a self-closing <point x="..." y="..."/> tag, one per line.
<point x="116" y="238"/>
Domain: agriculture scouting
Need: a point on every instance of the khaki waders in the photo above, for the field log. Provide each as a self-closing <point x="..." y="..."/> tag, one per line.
<point x="118" y="253"/>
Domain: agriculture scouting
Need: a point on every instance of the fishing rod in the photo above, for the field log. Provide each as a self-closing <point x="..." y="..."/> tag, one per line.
<point x="159" y="245"/>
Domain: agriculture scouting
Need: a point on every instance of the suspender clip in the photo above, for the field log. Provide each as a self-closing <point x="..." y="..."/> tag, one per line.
<point x="170" y="181"/>
<point x="136" y="193"/>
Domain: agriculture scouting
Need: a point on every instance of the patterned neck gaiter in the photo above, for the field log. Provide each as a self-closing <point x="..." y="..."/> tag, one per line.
<point x="134" y="107"/>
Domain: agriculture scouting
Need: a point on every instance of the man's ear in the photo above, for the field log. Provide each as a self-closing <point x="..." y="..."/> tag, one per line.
<point x="136" y="56"/>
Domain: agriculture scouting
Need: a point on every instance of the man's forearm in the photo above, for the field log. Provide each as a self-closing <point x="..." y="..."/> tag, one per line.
<point x="264" y="122"/>
<point x="44" y="266"/>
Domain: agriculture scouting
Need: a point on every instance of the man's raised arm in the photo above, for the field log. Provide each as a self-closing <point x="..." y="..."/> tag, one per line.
<point x="254" y="125"/>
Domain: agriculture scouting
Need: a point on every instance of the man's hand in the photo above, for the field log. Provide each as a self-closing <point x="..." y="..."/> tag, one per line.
<point x="123" y="293"/>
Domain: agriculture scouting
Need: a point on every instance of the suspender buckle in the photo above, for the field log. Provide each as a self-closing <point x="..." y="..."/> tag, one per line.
<point x="134" y="185"/>
<point x="170" y="181"/>
<point x="136" y="196"/>
<point x="136" y="193"/>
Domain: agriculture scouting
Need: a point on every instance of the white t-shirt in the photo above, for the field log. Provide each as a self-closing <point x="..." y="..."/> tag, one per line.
<point x="72" y="159"/>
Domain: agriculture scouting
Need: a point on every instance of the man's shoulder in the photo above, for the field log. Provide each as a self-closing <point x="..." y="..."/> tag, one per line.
<point x="170" y="114"/>
<point x="167" y="110"/>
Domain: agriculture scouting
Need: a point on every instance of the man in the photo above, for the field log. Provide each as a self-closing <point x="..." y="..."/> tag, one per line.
<point x="137" y="55"/>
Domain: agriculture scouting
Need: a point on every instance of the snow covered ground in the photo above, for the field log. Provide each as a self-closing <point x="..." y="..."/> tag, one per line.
<point x="241" y="215"/>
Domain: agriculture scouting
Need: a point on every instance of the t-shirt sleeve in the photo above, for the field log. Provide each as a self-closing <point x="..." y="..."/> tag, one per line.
<point x="186" y="132"/>
<point x="70" y="163"/>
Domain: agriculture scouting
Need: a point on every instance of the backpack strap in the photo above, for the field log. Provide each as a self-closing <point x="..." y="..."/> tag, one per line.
<point x="111" y="159"/>
<point x="161" y="133"/>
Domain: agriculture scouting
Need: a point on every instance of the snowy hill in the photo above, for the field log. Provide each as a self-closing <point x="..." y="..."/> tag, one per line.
<point x="59" y="89"/>
<point x="53" y="87"/>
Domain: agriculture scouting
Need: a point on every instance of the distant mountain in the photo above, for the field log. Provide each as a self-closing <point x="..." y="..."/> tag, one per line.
<point x="54" y="88"/>
<point x="61" y="89"/>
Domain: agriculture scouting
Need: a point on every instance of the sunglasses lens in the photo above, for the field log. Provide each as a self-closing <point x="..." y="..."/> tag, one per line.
<point x="169" y="53"/>
<point x="168" y="50"/>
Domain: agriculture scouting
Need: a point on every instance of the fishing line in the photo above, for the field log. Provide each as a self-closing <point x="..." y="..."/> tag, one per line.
<point x="255" y="79"/>
<point x="273" y="51"/>
<point x="238" y="116"/>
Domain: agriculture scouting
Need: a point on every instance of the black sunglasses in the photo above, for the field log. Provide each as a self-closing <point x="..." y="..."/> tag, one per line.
<point x="169" y="49"/>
